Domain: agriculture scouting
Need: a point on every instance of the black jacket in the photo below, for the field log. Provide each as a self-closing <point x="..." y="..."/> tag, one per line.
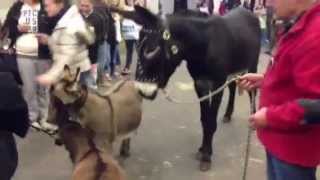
<point x="11" y="23"/>
<point x="98" y="21"/>
<point x="13" y="108"/>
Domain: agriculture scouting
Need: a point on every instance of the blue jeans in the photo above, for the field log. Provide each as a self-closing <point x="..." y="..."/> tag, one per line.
<point x="104" y="59"/>
<point x="86" y="78"/>
<point x="129" y="46"/>
<point x="115" y="57"/>
<point x="280" y="170"/>
<point x="8" y="155"/>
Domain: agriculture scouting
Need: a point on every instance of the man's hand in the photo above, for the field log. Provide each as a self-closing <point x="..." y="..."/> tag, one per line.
<point x="45" y="80"/>
<point x="259" y="119"/>
<point x="250" y="81"/>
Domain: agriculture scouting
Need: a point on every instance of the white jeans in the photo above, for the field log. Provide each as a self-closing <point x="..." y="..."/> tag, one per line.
<point x="36" y="96"/>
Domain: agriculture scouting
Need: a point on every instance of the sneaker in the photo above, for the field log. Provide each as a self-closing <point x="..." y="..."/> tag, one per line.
<point x="117" y="74"/>
<point x="48" y="127"/>
<point x="36" y="125"/>
<point x="107" y="77"/>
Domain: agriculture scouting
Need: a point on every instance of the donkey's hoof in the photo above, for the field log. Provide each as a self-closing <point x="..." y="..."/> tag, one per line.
<point x="226" y="119"/>
<point x="205" y="166"/>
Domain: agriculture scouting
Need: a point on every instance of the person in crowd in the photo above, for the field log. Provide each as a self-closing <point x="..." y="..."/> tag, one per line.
<point x="115" y="39"/>
<point x="283" y="122"/>
<point x="227" y="5"/>
<point x="271" y="31"/>
<point x="14" y="116"/>
<point x="68" y="43"/>
<point x="99" y="52"/>
<point x="24" y="20"/>
<point x="206" y="6"/>
<point x="130" y="33"/>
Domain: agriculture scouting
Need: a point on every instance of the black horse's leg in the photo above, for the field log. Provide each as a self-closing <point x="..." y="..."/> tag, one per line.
<point x="125" y="148"/>
<point x="209" y="111"/>
<point x="230" y="107"/>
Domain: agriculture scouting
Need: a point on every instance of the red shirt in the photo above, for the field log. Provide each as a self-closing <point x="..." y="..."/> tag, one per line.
<point x="294" y="74"/>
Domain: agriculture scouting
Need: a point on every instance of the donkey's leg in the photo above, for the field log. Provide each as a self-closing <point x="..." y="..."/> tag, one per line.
<point x="230" y="107"/>
<point x="125" y="148"/>
<point x="209" y="122"/>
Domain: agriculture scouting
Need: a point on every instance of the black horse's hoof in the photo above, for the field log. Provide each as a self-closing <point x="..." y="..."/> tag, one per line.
<point x="226" y="119"/>
<point x="58" y="142"/>
<point x="205" y="166"/>
<point x="125" y="154"/>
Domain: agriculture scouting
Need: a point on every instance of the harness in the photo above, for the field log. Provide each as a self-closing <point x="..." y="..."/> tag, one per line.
<point x="101" y="166"/>
<point x="74" y="108"/>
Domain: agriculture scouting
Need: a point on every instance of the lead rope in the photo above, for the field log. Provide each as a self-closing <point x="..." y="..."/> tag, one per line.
<point x="249" y="137"/>
<point x="233" y="78"/>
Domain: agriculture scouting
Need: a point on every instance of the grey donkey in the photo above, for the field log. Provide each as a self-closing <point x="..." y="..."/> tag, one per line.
<point x="111" y="116"/>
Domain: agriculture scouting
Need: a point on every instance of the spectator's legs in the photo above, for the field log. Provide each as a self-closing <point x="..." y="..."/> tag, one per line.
<point x="28" y="75"/>
<point x="87" y="79"/>
<point x="41" y="66"/>
<point x="103" y="61"/>
<point x="270" y="28"/>
<point x="129" y="48"/>
<point x="115" y="59"/>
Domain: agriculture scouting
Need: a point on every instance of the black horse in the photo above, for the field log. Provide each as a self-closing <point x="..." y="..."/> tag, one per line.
<point x="214" y="47"/>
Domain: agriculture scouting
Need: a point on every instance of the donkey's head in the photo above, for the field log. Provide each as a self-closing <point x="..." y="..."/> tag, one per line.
<point x="68" y="89"/>
<point x="158" y="52"/>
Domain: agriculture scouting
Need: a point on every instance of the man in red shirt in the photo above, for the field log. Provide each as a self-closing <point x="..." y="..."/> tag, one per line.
<point x="292" y="142"/>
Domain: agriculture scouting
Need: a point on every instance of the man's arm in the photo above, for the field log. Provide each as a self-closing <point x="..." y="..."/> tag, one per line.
<point x="306" y="73"/>
<point x="311" y="110"/>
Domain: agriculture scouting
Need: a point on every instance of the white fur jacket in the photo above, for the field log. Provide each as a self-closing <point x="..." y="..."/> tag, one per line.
<point x="69" y="43"/>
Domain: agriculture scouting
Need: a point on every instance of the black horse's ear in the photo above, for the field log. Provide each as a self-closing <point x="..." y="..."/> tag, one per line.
<point x="147" y="16"/>
<point x="141" y="16"/>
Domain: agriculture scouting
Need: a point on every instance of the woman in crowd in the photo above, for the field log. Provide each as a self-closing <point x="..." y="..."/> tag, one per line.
<point x="68" y="42"/>
<point x="130" y="32"/>
<point x="24" y="20"/>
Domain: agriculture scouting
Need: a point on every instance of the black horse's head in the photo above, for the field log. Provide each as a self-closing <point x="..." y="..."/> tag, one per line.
<point x="158" y="52"/>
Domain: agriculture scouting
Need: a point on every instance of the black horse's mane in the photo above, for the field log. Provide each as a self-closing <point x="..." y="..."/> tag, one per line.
<point x="191" y="13"/>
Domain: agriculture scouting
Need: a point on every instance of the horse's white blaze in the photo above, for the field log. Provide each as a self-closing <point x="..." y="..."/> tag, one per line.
<point x="148" y="89"/>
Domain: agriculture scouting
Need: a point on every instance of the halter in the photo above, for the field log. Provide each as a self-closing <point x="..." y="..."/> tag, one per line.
<point x="74" y="108"/>
<point x="166" y="36"/>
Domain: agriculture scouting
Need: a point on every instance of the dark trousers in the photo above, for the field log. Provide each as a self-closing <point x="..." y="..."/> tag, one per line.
<point x="129" y="46"/>
<point x="280" y="170"/>
<point x="8" y="155"/>
<point x="271" y="31"/>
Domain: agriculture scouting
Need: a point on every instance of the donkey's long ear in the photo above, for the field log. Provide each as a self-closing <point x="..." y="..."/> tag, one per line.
<point x="77" y="76"/>
<point x="66" y="71"/>
<point x="141" y="16"/>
